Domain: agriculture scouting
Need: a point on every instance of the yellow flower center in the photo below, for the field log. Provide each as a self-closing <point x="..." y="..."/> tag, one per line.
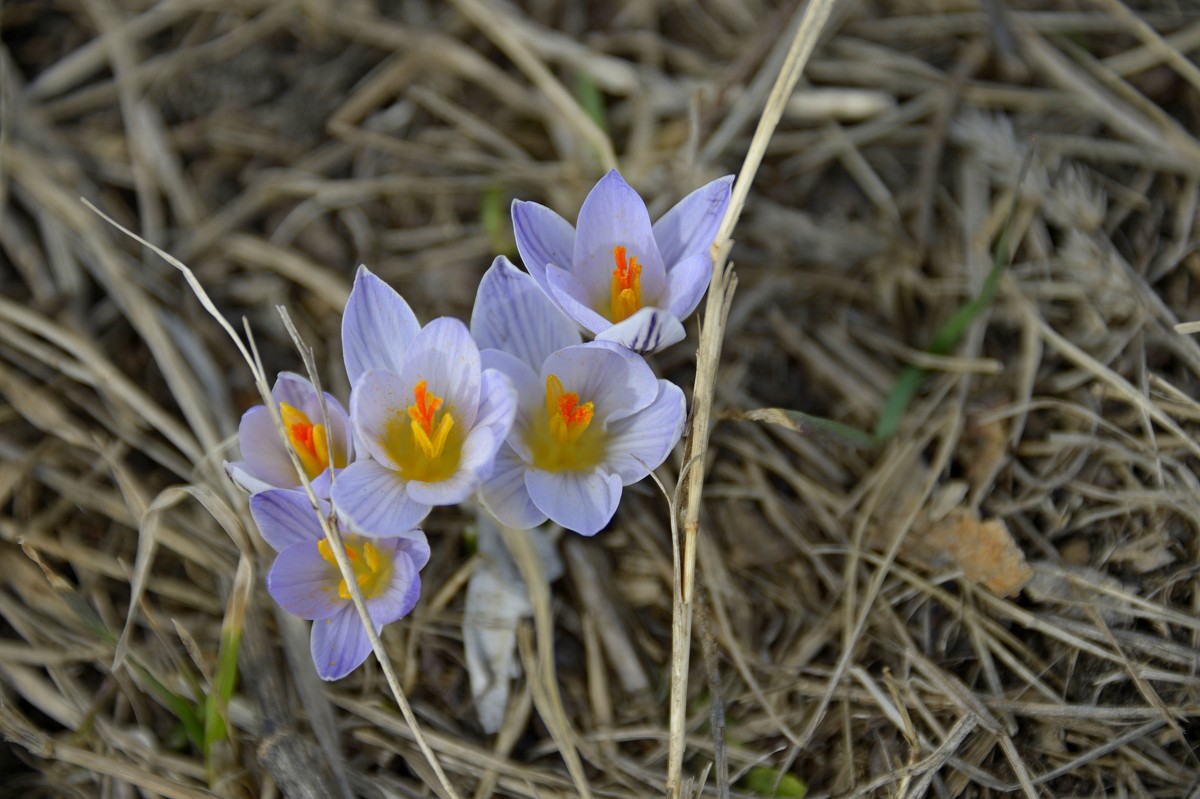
<point x="423" y="440"/>
<point x="626" y="286"/>
<point x="564" y="440"/>
<point x="309" y="441"/>
<point x="372" y="572"/>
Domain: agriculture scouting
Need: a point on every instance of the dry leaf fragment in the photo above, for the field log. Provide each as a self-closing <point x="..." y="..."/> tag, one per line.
<point x="984" y="550"/>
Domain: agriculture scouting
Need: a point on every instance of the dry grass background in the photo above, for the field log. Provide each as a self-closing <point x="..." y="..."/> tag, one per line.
<point x="273" y="146"/>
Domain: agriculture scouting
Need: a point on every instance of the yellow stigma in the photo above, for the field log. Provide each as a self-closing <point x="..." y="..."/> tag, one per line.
<point x="309" y="441"/>
<point x="423" y="440"/>
<point x="564" y="439"/>
<point x="626" y="286"/>
<point x="372" y="572"/>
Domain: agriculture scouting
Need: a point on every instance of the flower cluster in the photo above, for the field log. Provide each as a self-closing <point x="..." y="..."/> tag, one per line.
<point x="516" y="409"/>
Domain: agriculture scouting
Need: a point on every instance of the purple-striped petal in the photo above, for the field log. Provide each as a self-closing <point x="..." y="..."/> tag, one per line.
<point x="523" y="378"/>
<point x="504" y="493"/>
<point x="686" y="284"/>
<point x="513" y="315"/>
<point x="497" y="403"/>
<point x="543" y="237"/>
<point x="376" y="400"/>
<point x="581" y="501"/>
<point x="305" y="584"/>
<point x="372" y="498"/>
<point x="641" y="442"/>
<point x="377" y="326"/>
<point x="401" y="594"/>
<point x="573" y="298"/>
<point x="691" y="225"/>
<point x="238" y="472"/>
<point x="416" y="546"/>
<point x="647" y="331"/>
<point x="286" y="518"/>
<point x="445" y="356"/>
<point x="266" y="462"/>
<point x="339" y="644"/>
<point x="613" y="215"/>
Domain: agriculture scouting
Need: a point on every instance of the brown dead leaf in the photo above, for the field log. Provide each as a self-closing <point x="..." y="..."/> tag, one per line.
<point x="984" y="550"/>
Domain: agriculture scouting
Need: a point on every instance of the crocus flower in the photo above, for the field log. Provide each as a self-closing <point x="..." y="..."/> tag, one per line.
<point x="618" y="276"/>
<point x="267" y="464"/>
<point x="591" y="418"/>
<point x="306" y="582"/>
<point x="422" y="407"/>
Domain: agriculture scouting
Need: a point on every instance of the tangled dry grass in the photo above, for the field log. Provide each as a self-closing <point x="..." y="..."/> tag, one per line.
<point x="841" y="636"/>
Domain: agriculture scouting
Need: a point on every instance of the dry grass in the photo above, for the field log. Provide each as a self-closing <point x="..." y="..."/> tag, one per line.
<point x="273" y="146"/>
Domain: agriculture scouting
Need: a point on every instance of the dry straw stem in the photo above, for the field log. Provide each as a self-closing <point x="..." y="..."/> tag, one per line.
<point x="542" y="676"/>
<point x="716" y="312"/>
<point x="499" y="26"/>
<point x="332" y="535"/>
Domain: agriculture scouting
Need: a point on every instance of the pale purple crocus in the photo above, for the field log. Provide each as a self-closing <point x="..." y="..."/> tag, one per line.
<point x="306" y="582"/>
<point x="430" y="417"/>
<point x="615" y="274"/>
<point x="591" y="418"/>
<point x="266" y="461"/>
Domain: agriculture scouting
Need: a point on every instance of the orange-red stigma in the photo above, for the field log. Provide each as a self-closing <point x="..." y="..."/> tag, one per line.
<point x="626" y="290"/>
<point x="568" y="419"/>
<point x="309" y="440"/>
<point x="430" y="438"/>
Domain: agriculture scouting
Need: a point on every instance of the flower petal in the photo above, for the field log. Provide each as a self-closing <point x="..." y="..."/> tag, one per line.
<point x="305" y="584"/>
<point x="239" y="473"/>
<point x="504" y="493"/>
<point x="339" y="644"/>
<point x="647" y="331"/>
<point x="512" y="314"/>
<point x="497" y="403"/>
<point x="266" y="462"/>
<point x="286" y="518"/>
<point x="377" y="326"/>
<point x="686" y="283"/>
<point x="614" y="215"/>
<point x="416" y="546"/>
<point x="691" y="225"/>
<point x="581" y="501"/>
<point x="619" y="382"/>
<point x="639" y="443"/>
<point x="401" y="594"/>
<point x="523" y="378"/>
<point x="376" y="399"/>
<point x="543" y="237"/>
<point x="373" y="500"/>
<point x="573" y="299"/>
<point x="445" y="356"/>
<point x="530" y="392"/>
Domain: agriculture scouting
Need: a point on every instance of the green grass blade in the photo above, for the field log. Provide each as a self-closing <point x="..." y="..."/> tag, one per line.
<point x="769" y="782"/>
<point x="590" y="99"/>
